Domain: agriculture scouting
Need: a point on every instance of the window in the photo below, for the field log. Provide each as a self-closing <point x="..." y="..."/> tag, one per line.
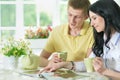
<point x="17" y="15"/>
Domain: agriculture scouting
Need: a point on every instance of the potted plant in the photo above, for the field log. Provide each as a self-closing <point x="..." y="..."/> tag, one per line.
<point x="12" y="50"/>
<point x="32" y="33"/>
<point x="37" y="36"/>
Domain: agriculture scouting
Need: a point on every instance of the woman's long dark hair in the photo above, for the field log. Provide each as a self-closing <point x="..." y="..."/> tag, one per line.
<point x="110" y="11"/>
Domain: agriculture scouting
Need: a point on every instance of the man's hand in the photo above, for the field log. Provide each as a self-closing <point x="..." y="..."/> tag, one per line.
<point x="54" y="64"/>
<point x="55" y="58"/>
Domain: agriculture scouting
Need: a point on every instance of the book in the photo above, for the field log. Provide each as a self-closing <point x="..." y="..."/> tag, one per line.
<point x="62" y="74"/>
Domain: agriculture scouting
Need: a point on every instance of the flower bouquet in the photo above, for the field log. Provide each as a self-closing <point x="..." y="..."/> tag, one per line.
<point x="15" y="48"/>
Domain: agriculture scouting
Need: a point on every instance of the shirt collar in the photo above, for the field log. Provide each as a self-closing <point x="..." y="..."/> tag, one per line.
<point x="115" y="38"/>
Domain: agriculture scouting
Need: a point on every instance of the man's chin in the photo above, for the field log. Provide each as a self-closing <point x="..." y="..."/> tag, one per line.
<point x="72" y="27"/>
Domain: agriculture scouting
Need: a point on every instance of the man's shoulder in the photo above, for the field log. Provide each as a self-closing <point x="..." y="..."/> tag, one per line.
<point x="60" y="27"/>
<point x="88" y="28"/>
<point x="87" y="23"/>
<point x="59" y="31"/>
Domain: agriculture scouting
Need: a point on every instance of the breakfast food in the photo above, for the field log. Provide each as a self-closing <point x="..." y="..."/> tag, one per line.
<point x="62" y="55"/>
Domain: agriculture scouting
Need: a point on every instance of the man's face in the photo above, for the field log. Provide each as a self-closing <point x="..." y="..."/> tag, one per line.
<point x="76" y="17"/>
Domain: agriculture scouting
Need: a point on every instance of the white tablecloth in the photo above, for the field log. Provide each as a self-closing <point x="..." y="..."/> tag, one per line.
<point x="16" y="74"/>
<point x="11" y="75"/>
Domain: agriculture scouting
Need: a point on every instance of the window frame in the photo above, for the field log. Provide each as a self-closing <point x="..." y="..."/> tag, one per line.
<point x="19" y="28"/>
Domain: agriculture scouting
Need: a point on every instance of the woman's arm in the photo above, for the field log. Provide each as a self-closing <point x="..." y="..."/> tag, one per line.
<point x="112" y="74"/>
<point x="99" y="67"/>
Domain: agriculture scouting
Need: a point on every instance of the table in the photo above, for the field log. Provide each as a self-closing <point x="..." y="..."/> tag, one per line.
<point x="16" y="75"/>
<point x="6" y="74"/>
<point x="12" y="75"/>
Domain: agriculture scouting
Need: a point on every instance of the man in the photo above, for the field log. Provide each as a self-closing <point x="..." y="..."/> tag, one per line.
<point x="76" y="37"/>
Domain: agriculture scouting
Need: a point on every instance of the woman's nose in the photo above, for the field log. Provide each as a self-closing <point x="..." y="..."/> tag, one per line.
<point x="92" y="23"/>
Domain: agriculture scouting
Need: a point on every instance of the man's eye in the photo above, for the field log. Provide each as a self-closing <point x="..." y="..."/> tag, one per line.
<point x="70" y="15"/>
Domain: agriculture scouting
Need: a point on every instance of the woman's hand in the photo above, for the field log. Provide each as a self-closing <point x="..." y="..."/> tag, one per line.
<point x="99" y="65"/>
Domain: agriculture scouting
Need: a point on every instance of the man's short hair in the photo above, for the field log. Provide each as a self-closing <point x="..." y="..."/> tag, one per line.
<point x="79" y="4"/>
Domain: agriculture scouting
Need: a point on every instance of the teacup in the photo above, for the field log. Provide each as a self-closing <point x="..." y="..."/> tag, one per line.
<point x="88" y="64"/>
<point x="62" y="55"/>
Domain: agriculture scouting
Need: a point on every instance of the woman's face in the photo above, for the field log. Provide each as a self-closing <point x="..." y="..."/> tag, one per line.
<point x="97" y="21"/>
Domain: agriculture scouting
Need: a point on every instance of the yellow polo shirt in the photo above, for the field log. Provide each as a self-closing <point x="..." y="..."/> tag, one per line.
<point x="75" y="46"/>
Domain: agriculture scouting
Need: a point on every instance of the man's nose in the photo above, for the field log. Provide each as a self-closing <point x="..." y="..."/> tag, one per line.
<point x="72" y="19"/>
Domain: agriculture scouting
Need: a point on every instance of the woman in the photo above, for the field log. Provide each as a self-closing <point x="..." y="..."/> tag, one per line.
<point x="105" y="18"/>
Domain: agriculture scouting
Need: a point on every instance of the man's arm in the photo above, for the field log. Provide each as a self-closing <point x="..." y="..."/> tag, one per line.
<point x="44" y="58"/>
<point x="89" y="52"/>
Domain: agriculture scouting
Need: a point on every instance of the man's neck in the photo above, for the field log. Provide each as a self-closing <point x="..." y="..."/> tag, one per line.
<point x="74" y="32"/>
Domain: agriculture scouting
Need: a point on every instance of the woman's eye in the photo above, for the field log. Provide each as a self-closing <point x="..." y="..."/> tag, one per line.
<point x="94" y="18"/>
